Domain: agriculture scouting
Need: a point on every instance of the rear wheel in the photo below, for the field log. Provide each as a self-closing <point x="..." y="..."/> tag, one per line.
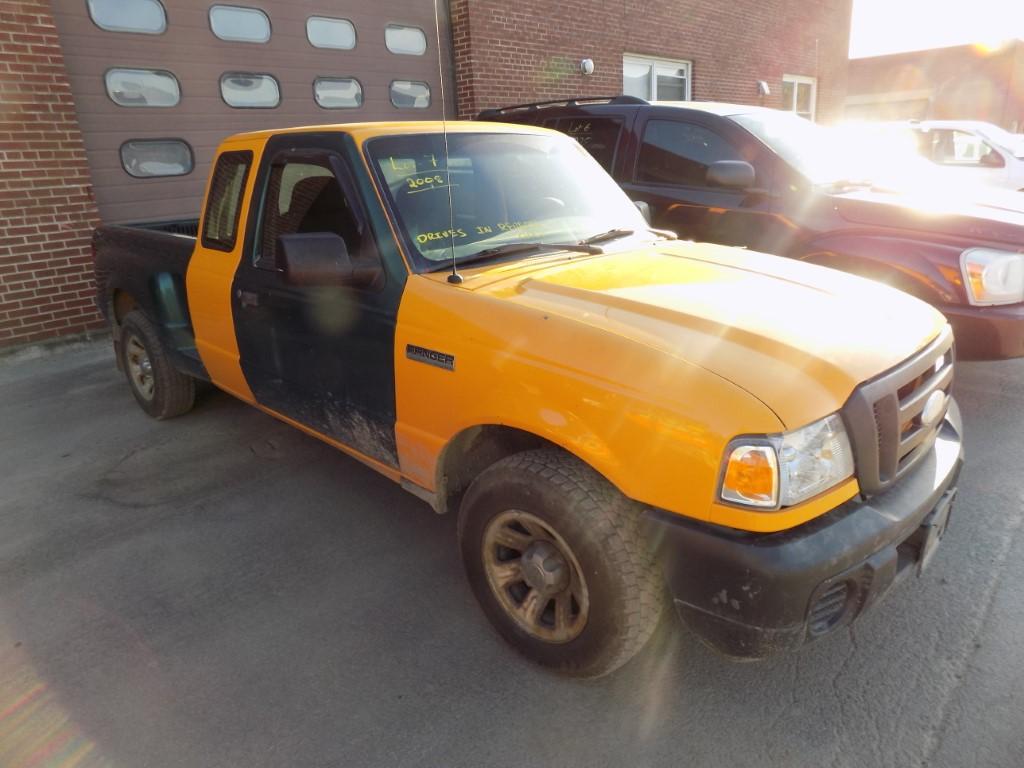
<point x="159" y="388"/>
<point x="556" y="560"/>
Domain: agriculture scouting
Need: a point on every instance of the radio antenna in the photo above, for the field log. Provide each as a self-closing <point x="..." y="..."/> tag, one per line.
<point x="455" y="278"/>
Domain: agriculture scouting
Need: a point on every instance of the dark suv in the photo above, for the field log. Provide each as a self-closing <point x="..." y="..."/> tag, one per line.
<point x="775" y="182"/>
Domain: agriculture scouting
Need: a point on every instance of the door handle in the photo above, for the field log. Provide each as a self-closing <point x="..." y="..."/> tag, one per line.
<point x="247" y="298"/>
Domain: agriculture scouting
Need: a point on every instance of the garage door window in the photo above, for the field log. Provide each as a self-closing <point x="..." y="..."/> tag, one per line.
<point x="242" y="25"/>
<point x="248" y="91"/>
<point x="338" y="92"/>
<point x="227" y="185"/>
<point x="323" y="32"/>
<point x="142" y="87"/>
<point x="145" y="158"/>
<point x="410" y="93"/>
<point x="680" y="153"/>
<point x="406" y="40"/>
<point x="144" y="16"/>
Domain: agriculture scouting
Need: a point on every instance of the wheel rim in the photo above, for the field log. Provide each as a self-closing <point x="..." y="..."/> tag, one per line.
<point x="535" y="576"/>
<point x="140" y="369"/>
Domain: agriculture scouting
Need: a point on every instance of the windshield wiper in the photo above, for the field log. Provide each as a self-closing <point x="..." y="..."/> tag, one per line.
<point x="615" y="234"/>
<point x="511" y="249"/>
<point x="611" y="234"/>
<point x="844" y="184"/>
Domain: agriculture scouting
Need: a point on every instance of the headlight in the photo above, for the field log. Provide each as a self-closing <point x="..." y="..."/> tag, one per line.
<point x="992" y="277"/>
<point x="783" y="470"/>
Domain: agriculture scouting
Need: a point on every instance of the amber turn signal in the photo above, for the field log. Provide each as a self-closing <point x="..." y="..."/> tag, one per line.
<point x="752" y="476"/>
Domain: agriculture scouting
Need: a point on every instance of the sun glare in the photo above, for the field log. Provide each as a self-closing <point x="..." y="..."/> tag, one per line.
<point x="879" y="27"/>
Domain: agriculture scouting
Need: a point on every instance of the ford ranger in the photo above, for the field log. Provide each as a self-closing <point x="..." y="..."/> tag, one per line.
<point x="619" y="419"/>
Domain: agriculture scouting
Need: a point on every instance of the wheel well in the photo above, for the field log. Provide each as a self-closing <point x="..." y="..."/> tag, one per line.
<point x="473" y="450"/>
<point x="122" y="304"/>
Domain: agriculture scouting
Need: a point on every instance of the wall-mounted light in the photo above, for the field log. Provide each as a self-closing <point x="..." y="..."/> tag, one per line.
<point x="587" y="66"/>
<point x="763" y="89"/>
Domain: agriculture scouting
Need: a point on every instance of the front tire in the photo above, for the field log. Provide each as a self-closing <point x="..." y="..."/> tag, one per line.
<point x="159" y="388"/>
<point x="555" y="557"/>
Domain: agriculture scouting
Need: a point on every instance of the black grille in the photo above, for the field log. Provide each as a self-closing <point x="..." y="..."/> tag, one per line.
<point x="828" y="609"/>
<point x="884" y="416"/>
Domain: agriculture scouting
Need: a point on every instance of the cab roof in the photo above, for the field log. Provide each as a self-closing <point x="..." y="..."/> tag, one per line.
<point x="362" y="131"/>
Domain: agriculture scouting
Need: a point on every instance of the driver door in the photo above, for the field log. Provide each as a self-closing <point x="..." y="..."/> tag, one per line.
<point x="320" y="355"/>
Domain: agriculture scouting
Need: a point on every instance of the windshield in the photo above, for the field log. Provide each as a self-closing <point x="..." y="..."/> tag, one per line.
<point x="876" y="153"/>
<point x="505" y="189"/>
<point x="1011" y="141"/>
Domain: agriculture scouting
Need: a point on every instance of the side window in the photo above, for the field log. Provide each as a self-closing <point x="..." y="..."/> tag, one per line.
<point x="303" y="195"/>
<point x="598" y="135"/>
<point x="949" y="147"/>
<point x="227" y="185"/>
<point x="680" y="153"/>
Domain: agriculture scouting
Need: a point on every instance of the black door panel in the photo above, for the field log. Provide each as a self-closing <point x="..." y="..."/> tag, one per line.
<point x="321" y="355"/>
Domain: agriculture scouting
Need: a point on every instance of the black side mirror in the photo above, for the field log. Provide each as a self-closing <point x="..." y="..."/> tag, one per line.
<point x="645" y="209"/>
<point x="734" y="174"/>
<point x="321" y="258"/>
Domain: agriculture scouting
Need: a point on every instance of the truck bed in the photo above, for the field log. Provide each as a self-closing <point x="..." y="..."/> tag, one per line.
<point x="148" y="262"/>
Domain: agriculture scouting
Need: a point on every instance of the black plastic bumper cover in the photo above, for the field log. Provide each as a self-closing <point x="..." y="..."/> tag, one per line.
<point x="750" y="595"/>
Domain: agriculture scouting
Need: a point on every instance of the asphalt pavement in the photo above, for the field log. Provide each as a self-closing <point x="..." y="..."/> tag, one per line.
<point x="221" y="590"/>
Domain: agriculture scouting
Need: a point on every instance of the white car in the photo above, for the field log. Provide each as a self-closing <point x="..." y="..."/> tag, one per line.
<point x="977" y="152"/>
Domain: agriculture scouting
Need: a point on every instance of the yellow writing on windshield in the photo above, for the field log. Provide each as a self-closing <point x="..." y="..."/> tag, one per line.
<point x="426" y="237"/>
<point x="419" y="182"/>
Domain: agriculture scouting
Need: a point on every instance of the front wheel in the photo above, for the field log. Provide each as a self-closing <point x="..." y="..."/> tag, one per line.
<point x="159" y="388"/>
<point x="556" y="560"/>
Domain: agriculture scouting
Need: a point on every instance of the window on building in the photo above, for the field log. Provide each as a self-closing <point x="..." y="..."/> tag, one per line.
<point x="323" y="32"/>
<point x="598" y="135"/>
<point x="142" y="87"/>
<point x="799" y="94"/>
<point x="143" y="158"/>
<point x="680" y="153"/>
<point x="656" y="79"/>
<point x="244" y="90"/>
<point x="303" y="195"/>
<point x="241" y="25"/>
<point x="407" y="40"/>
<point x="338" y="92"/>
<point x="227" y="186"/>
<point x="144" y="16"/>
<point x="410" y="93"/>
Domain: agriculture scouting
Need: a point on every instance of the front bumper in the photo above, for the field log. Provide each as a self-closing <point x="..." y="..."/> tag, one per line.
<point x="751" y="595"/>
<point x="987" y="333"/>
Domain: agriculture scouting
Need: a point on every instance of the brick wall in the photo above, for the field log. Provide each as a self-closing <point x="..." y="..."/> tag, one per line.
<point x="507" y="53"/>
<point x="965" y="82"/>
<point x="46" y="208"/>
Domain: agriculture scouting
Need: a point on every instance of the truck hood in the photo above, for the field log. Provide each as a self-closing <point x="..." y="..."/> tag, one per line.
<point x="798" y="337"/>
<point x="978" y="214"/>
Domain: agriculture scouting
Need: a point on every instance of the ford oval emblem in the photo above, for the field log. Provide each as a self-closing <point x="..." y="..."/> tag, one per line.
<point x="933" y="408"/>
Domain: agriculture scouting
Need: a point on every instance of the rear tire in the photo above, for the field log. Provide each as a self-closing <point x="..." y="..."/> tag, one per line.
<point x="159" y="388"/>
<point x="556" y="559"/>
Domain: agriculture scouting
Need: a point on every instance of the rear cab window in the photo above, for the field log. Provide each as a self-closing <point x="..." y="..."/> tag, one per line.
<point x="224" y="202"/>
<point x="598" y="135"/>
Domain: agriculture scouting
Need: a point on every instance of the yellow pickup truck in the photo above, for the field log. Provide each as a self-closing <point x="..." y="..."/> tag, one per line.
<point x="618" y="418"/>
